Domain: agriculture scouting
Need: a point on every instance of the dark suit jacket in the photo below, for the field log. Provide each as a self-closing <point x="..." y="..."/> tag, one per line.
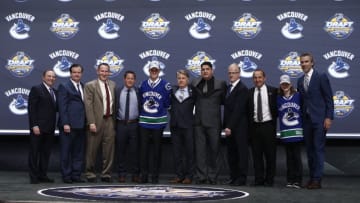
<point x="42" y="109"/>
<point x="208" y="107"/>
<point x="181" y="114"/>
<point x="236" y="109"/>
<point x="272" y="97"/>
<point x="117" y="99"/>
<point x="317" y="101"/>
<point x="71" y="106"/>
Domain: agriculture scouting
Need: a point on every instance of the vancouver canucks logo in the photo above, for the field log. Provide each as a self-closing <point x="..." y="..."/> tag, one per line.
<point x="194" y="63"/>
<point x="154" y="55"/>
<point x="292" y="28"/>
<point x="20" y="65"/>
<point x="200" y="29"/>
<point x="155" y="26"/>
<point x="339" y="68"/>
<point x="20" y="28"/>
<point x="19" y="100"/>
<point x="343" y="104"/>
<point x="151" y="105"/>
<point x="114" y="61"/>
<point x="62" y="65"/>
<point x="246" y="26"/>
<point x="339" y="26"/>
<point x="290" y="118"/>
<point x="109" y="28"/>
<point x="290" y="64"/>
<point x="247" y="63"/>
<point x="65" y="27"/>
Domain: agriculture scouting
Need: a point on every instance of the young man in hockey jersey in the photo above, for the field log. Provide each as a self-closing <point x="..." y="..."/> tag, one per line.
<point x="155" y="100"/>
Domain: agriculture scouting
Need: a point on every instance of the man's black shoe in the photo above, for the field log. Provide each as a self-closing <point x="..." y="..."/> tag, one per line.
<point x="200" y="182"/>
<point x="78" y="180"/>
<point x="106" y="179"/>
<point x="46" y="180"/>
<point x="91" y="180"/>
<point x="67" y="181"/>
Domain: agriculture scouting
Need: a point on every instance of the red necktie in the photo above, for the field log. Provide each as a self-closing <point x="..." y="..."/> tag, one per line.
<point x="107" y="100"/>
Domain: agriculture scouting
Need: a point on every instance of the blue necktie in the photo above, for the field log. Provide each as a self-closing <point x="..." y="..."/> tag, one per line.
<point x="52" y="94"/>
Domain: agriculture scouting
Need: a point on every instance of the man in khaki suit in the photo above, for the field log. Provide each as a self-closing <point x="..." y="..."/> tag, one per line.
<point x="99" y="97"/>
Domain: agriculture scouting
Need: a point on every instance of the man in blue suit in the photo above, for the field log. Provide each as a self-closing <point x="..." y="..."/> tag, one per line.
<point x="318" y="110"/>
<point x="72" y="126"/>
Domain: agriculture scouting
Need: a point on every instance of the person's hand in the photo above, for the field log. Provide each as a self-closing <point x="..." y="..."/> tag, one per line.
<point x="227" y="131"/>
<point x="92" y="128"/>
<point x="36" y="130"/>
<point x="327" y="123"/>
<point x="67" y="129"/>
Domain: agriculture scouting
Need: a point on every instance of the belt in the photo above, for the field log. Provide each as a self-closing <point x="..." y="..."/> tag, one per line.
<point x="262" y="123"/>
<point x="128" y="121"/>
<point x="106" y="117"/>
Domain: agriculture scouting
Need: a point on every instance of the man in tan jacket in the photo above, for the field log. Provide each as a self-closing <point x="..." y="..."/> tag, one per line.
<point x="99" y="106"/>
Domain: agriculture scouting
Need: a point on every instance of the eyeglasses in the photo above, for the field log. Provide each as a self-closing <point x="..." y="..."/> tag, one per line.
<point x="233" y="73"/>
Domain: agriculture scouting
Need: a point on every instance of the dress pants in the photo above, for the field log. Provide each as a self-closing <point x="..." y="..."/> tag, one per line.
<point x="263" y="143"/>
<point x="238" y="156"/>
<point x="207" y="142"/>
<point x="72" y="153"/>
<point x="183" y="149"/>
<point x="105" y="136"/>
<point x="39" y="155"/>
<point x="147" y="137"/>
<point x="127" y="142"/>
<point x="315" y="138"/>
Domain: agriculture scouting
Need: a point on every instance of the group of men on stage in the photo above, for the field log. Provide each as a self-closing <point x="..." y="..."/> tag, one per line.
<point x="102" y="115"/>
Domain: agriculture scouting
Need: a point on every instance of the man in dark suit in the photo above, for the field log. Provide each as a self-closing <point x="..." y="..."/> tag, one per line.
<point x="210" y="94"/>
<point x="182" y="127"/>
<point x="318" y="111"/>
<point x="72" y="126"/>
<point x="127" y="105"/>
<point x="42" y="121"/>
<point x="263" y="113"/>
<point x="99" y="99"/>
<point x="236" y="127"/>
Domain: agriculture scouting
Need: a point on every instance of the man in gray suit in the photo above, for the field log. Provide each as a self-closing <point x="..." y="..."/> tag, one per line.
<point x="99" y="97"/>
<point x="210" y="94"/>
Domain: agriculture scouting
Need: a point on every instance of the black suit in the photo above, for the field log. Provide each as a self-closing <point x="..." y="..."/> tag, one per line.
<point x="263" y="139"/>
<point x="208" y="127"/>
<point x="181" y="127"/>
<point x="42" y="113"/>
<point x="236" y="119"/>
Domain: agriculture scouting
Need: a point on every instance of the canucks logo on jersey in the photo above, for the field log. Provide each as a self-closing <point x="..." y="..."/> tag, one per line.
<point x="114" y="61"/>
<point x="343" y="104"/>
<point x="65" y="27"/>
<point x="339" y="26"/>
<point x="246" y="26"/>
<point x="290" y="118"/>
<point x="19" y="100"/>
<point x="194" y="63"/>
<point x="290" y="64"/>
<point x="155" y="26"/>
<point x="20" y="65"/>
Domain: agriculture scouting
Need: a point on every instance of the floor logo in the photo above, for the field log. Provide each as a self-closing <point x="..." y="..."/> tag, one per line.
<point x="144" y="193"/>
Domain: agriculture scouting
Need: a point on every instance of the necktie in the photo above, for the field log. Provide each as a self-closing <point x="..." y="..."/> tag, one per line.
<point x="181" y="95"/>
<point x="259" y="106"/>
<point x="52" y="94"/>
<point x="127" y="105"/>
<point x="229" y="89"/>
<point x="78" y="89"/>
<point x="306" y="83"/>
<point x="107" y="110"/>
<point x="205" y="87"/>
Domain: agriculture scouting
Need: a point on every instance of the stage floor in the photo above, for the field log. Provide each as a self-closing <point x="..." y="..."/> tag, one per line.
<point x="15" y="187"/>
